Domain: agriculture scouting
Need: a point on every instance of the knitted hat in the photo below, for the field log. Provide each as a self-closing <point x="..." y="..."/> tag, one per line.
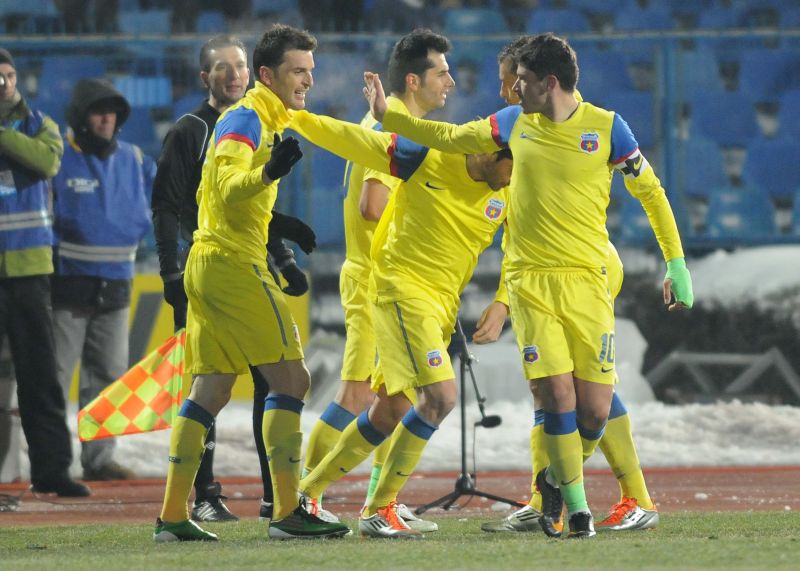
<point x="5" y="57"/>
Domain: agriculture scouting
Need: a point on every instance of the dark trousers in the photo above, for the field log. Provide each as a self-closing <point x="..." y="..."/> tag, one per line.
<point x="26" y="319"/>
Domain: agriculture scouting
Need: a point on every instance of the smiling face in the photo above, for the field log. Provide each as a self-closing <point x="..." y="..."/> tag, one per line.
<point x="431" y="88"/>
<point x="227" y="77"/>
<point x="292" y="79"/>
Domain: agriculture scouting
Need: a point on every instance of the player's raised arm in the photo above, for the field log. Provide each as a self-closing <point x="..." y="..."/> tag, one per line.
<point x="475" y="137"/>
<point x="642" y="182"/>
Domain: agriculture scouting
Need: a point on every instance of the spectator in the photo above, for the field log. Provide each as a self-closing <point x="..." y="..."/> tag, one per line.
<point x="101" y="214"/>
<point x="30" y="153"/>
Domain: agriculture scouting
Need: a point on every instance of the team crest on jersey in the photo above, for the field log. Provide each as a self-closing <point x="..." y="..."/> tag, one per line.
<point x="83" y="185"/>
<point x="494" y="209"/>
<point x="590" y="142"/>
<point x="434" y="359"/>
<point x="530" y="353"/>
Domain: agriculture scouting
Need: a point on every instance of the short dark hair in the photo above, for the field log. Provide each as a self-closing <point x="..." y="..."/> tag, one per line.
<point x="548" y="54"/>
<point x="503" y="154"/>
<point x="410" y="55"/>
<point x="278" y="40"/>
<point x="216" y="43"/>
<point x="511" y="51"/>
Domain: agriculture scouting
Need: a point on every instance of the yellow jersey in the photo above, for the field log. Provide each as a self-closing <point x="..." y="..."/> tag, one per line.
<point x="235" y="207"/>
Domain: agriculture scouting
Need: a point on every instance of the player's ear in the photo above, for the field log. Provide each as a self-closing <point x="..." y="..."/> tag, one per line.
<point x="266" y="75"/>
<point x="204" y="79"/>
<point x="412" y="81"/>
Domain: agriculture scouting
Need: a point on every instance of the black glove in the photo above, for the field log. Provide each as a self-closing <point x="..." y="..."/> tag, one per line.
<point x="297" y="280"/>
<point x="174" y="292"/>
<point x="284" y="155"/>
<point x="295" y="230"/>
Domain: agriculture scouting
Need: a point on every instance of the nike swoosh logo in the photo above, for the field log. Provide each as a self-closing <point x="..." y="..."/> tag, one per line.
<point x="429" y="185"/>
<point x="294" y="460"/>
<point x="524" y="135"/>
<point x="570" y="482"/>
<point x="638" y="164"/>
<point x="402" y="475"/>
<point x="342" y="470"/>
<point x="604" y="370"/>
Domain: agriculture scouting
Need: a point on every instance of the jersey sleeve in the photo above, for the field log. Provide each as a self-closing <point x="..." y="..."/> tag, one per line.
<point x="643" y="184"/>
<point x="236" y="137"/>
<point x="480" y="136"/>
<point x="501" y="294"/>
<point x="382" y="152"/>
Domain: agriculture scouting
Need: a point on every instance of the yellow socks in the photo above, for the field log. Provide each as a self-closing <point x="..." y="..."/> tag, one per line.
<point x="186" y="446"/>
<point x="620" y="452"/>
<point x="565" y="450"/>
<point x="589" y="440"/>
<point x="356" y="443"/>
<point x="408" y="442"/>
<point x="539" y="457"/>
<point x="326" y="433"/>
<point x="283" y="440"/>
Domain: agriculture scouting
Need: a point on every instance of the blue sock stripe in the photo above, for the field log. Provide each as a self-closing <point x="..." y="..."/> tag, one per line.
<point x="617" y="408"/>
<point x="538" y="416"/>
<point x="591" y="434"/>
<point x="337" y="416"/>
<point x="417" y="425"/>
<point x="560" y="423"/>
<point x="191" y="409"/>
<point x="368" y="430"/>
<point x="283" y="402"/>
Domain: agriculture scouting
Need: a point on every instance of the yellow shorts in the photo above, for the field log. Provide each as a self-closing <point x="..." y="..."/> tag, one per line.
<point x="412" y="337"/>
<point x="614" y="272"/>
<point x="564" y="323"/>
<point x="238" y="316"/>
<point x="358" y="362"/>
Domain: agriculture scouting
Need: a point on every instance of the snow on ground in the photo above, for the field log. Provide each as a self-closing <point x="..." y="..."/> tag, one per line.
<point x="723" y="434"/>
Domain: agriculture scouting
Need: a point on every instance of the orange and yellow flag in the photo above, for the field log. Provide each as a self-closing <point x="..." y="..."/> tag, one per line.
<point x="144" y="399"/>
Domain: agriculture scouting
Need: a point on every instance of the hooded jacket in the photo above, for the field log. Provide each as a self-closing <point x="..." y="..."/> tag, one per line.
<point x="100" y="204"/>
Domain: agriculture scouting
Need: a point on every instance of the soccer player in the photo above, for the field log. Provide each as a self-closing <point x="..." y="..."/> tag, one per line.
<point x="636" y="509"/>
<point x="237" y="314"/>
<point x="419" y="81"/>
<point x="423" y="253"/>
<point x="225" y="73"/>
<point x="562" y="313"/>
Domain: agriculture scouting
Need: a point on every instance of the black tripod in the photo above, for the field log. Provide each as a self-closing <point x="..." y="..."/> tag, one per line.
<point x="465" y="483"/>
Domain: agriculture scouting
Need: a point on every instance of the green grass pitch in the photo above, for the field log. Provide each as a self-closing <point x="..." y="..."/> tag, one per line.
<point x="709" y="541"/>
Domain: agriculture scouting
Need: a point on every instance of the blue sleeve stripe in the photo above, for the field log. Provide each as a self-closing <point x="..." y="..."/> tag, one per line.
<point x="405" y="157"/>
<point x="241" y="124"/>
<point x="538" y="416"/>
<point x="617" y="408"/>
<point x="502" y="123"/>
<point x="591" y="434"/>
<point x="417" y="425"/>
<point x="191" y="409"/>
<point x="368" y="430"/>
<point x="337" y="416"/>
<point x="560" y="423"/>
<point x="283" y="402"/>
<point x="623" y="143"/>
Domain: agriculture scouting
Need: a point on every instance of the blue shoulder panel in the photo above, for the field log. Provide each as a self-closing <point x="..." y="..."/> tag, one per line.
<point x="623" y="143"/>
<point x="241" y="124"/>
<point x="503" y="122"/>
<point x="405" y="157"/>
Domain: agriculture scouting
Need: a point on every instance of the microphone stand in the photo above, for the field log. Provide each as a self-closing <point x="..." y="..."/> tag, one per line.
<point x="465" y="483"/>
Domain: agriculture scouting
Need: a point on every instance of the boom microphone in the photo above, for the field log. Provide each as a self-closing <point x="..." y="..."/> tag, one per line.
<point x="490" y="421"/>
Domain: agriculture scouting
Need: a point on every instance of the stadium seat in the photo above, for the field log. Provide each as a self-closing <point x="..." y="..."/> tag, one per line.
<point x="774" y="165"/>
<point x="636" y="107"/>
<point x="789" y="114"/>
<point x="765" y="73"/>
<point x="272" y="6"/>
<point x="796" y="213"/>
<point x="327" y="215"/>
<point x="59" y="74"/>
<point x="145" y="22"/>
<point x="562" y="21"/>
<point x="698" y="73"/>
<point x="327" y="170"/>
<point x="701" y="166"/>
<point x="337" y="77"/>
<point x="140" y="130"/>
<point x="740" y="213"/>
<point x="726" y="118"/>
<point x="634" y="226"/>
<point x="186" y="104"/>
<point x="632" y="18"/>
<point x="601" y="73"/>
<point x="718" y="18"/>
<point x="211" y="22"/>
<point x="145" y="91"/>
<point x="474" y="21"/>
<point x="790" y="17"/>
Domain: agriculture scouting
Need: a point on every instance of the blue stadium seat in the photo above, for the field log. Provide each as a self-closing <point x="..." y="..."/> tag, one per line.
<point x="140" y="130"/>
<point x="327" y="216"/>
<point x="601" y="73"/>
<point x="774" y="165"/>
<point x="796" y="214"/>
<point x="145" y="22"/>
<point x="211" y="21"/>
<point x="632" y="18"/>
<point x="59" y="74"/>
<point x="789" y="114"/>
<point x="702" y="167"/>
<point x="474" y="21"/>
<point x="636" y="107"/>
<point x="718" y="18"/>
<point x="272" y="6"/>
<point x="145" y="91"/>
<point x="790" y="17"/>
<point x="327" y="170"/>
<point x="740" y="213"/>
<point x="338" y="77"/>
<point x="726" y="118"/>
<point x="698" y="73"/>
<point x="186" y="104"/>
<point x="634" y="226"/>
<point x="559" y="21"/>
<point x="765" y="73"/>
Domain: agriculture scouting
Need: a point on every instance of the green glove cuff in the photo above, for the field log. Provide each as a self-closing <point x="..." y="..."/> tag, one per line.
<point x="676" y="264"/>
<point x="681" y="281"/>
